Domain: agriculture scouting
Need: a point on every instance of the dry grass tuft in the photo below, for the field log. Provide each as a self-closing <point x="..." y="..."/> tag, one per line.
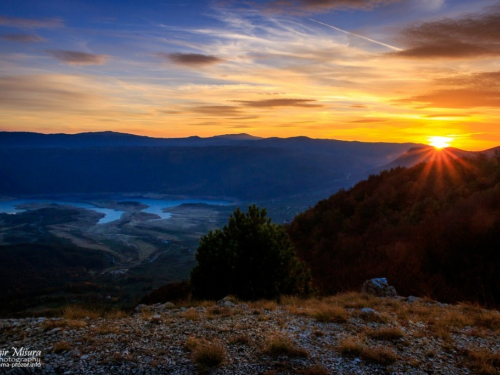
<point x="192" y="343"/>
<point x="331" y="314"/>
<point x="146" y="314"/>
<point x="51" y="324"/>
<point x="105" y="330"/>
<point x="76" y="324"/>
<point x="386" y="333"/>
<point x="356" y="300"/>
<point x="282" y="345"/>
<point x="61" y="346"/>
<point x="242" y="339"/>
<point x="74" y="312"/>
<point x="221" y="311"/>
<point x="351" y="346"/>
<point x="264" y="305"/>
<point x="487" y="319"/>
<point x="379" y="354"/>
<point x="191" y="315"/>
<point x="375" y="317"/>
<point x="484" y="361"/>
<point x="318" y="333"/>
<point x="208" y="355"/>
<point x="315" y="370"/>
<point x="116" y="314"/>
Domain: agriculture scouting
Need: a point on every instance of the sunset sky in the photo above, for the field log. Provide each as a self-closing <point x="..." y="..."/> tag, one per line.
<point x="366" y="70"/>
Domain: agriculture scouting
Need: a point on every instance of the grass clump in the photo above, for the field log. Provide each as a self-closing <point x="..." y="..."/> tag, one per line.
<point x="386" y="333"/>
<point x="191" y="315"/>
<point x="105" y="330"/>
<point x="315" y="370"/>
<point x="278" y="345"/>
<point x="484" y="361"/>
<point x="331" y="314"/>
<point x="208" y="355"/>
<point x="61" y="346"/>
<point x="242" y="339"/>
<point x="264" y="304"/>
<point x="75" y="312"/>
<point x="351" y="346"/>
<point x="379" y="354"/>
<point x="192" y="343"/>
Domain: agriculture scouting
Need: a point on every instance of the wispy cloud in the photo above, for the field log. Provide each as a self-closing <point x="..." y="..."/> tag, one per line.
<point x="271" y="103"/>
<point x="44" y="93"/>
<point x="368" y="120"/>
<point x="77" y="57"/>
<point x="470" y="36"/>
<point x="315" y="6"/>
<point x="23" y="38"/>
<point x="462" y="91"/>
<point x="357" y="35"/>
<point x="29" y="23"/>
<point x="190" y="59"/>
<point x="216" y="110"/>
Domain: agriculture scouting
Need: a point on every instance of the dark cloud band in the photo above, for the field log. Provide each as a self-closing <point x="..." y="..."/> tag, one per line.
<point x="22" y="38"/>
<point x="77" y="58"/>
<point x="190" y="59"/>
<point x="27" y="23"/>
<point x="270" y="103"/>
<point x="472" y="36"/>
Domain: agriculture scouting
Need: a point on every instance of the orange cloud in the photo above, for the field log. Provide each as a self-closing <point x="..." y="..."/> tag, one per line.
<point x="463" y="91"/>
<point x="217" y="110"/>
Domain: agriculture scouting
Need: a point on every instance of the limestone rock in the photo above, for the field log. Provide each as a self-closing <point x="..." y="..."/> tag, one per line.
<point x="378" y="287"/>
<point x="225" y="302"/>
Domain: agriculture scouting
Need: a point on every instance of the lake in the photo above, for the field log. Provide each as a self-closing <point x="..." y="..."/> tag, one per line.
<point x="155" y="206"/>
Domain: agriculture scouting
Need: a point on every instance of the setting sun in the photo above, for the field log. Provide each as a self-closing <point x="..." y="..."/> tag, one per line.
<point x="440" y="142"/>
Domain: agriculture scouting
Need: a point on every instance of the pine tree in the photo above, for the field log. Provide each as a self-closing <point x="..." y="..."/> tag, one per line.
<point x="250" y="258"/>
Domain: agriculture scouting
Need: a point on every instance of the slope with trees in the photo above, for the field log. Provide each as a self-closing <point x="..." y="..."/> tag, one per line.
<point x="431" y="230"/>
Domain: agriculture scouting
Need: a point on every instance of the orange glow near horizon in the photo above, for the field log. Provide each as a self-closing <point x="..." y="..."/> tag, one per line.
<point x="265" y="74"/>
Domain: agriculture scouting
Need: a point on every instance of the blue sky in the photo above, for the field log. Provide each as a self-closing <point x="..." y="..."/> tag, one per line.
<point x="370" y="70"/>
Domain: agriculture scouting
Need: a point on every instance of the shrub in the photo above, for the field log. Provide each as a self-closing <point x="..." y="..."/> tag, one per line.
<point x="250" y="258"/>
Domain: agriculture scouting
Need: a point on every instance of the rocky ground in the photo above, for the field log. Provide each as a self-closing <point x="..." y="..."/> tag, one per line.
<point x="346" y="334"/>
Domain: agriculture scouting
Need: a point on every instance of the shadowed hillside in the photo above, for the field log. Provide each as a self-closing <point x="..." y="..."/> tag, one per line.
<point x="431" y="230"/>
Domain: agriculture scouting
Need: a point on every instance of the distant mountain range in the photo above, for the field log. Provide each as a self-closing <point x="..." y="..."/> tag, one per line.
<point x="234" y="165"/>
<point x="422" y="154"/>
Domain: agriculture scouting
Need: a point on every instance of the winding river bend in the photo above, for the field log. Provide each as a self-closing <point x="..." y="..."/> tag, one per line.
<point x="155" y="206"/>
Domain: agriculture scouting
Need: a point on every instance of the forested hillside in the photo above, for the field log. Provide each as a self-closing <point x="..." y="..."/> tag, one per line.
<point x="432" y="230"/>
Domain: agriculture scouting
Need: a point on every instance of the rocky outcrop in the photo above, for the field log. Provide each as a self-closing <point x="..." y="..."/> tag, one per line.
<point x="378" y="287"/>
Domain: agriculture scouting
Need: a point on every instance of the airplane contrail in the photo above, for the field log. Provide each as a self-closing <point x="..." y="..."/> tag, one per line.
<point x="359" y="36"/>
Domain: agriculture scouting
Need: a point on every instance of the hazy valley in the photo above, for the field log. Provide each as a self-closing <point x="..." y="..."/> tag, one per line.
<point x="61" y="180"/>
